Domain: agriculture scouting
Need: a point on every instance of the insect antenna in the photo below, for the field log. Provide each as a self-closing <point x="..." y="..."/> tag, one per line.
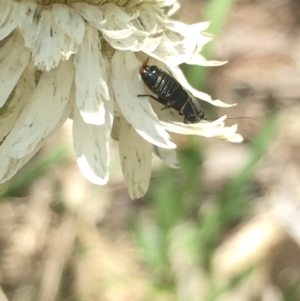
<point x="242" y="117"/>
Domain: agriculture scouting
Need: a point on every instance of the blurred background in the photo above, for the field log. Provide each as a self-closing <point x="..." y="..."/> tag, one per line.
<point x="225" y="226"/>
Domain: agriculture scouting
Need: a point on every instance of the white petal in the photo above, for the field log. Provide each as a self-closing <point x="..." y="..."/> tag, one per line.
<point x="174" y="9"/>
<point x="69" y="21"/>
<point x="193" y="128"/>
<point x="10" y="166"/>
<point x="168" y="156"/>
<point x="146" y="24"/>
<point x="13" y="60"/>
<point x="166" y="53"/>
<point x="118" y="25"/>
<point x="138" y="111"/>
<point x="199" y="60"/>
<point x="178" y="46"/>
<point x="198" y="94"/>
<point x="43" y="112"/>
<point x="229" y="134"/>
<point x="27" y="11"/>
<point x="151" y="42"/>
<point x="117" y="13"/>
<point x="235" y="138"/>
<point x="131" y="43"/>
<point x="135" y="154"/>
<point x="31" y="25"/>
<point x="91" y="145"/>
<point x="91" y="86"/>
<point x="185" y="29"/>
<point x="205" y="129"/>
<point x="46" y="53"/>
<point x="92" y="14"/>
<point x="12" y="109"/>
<point x="9" y="17"/>
<point x="175" y="49"/>
<point x="141" y="33"/>
<point x="115" y="33"/>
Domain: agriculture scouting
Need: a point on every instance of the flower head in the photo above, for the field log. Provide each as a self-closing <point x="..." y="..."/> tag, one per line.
<point x="66" y="58"/>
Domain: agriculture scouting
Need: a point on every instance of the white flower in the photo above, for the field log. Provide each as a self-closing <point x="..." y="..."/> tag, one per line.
<point x="81" y="60"/>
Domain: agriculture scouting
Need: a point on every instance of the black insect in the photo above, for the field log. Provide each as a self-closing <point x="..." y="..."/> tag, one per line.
<point x="170" y="93"/>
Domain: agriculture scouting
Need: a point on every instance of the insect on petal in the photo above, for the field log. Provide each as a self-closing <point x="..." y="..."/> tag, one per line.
<point x="137" y="111"/>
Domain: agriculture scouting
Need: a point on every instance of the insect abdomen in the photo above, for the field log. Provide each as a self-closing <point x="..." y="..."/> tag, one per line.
<point x="168" y="88"/>
<point x="170" y="93"/>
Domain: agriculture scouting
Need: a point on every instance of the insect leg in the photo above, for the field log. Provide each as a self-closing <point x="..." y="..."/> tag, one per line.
<point x="166" y="104"/>
<point x="148" y="95"/>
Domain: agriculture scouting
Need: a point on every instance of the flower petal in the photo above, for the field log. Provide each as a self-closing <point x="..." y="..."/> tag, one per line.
<point x="173" y="10"/>
<point x="27" y="11"/>
<point x="91" y="145"/>
<point x="32" y="23"/>
<point x="142" y="32"/>
<point x="12" y="108"/>
<point x="114" y="33"/>
<point x="135" y="43"/>
<point x="9" y="17"/>
<point x="186" y="29"/>
<point x="92" y="14"/>
<point x="9" y="166"/>
<point x="206" y="125"/>
<point x="135" y="154"/>
<point x="69" y="21"/>
<point x="146" y="26"/>
<point x="119" y="14"/>
<point x="212" y="130"/>
<point x="13" y="60"/>
<point x="168" y="156"/>
<point x="118" y="22"/>
<point x="46" y="53"/>
<point x="42" y="113"/>
<point x="165" y="53"/>
<point x="199" y="60"/>
<point x="137" y="111"/>
<point x="91" y="86"/>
